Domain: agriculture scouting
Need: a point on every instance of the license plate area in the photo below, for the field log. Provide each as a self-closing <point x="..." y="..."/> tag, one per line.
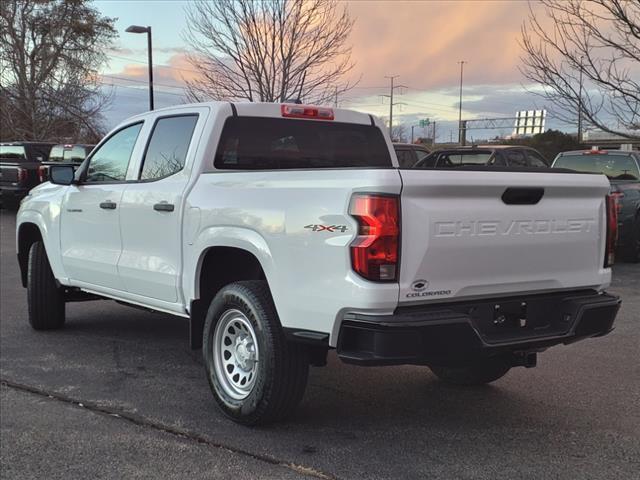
<point x="509" y="320"/>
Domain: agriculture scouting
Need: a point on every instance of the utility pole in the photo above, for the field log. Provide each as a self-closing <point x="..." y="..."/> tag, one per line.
<point x="412" y="127"/>
<point x="580" y="105"/>
<point x="460" y="139"/>
<point x="433" y="139"/>
<point x="336" y="97"/>
<point x="390" y="97"/>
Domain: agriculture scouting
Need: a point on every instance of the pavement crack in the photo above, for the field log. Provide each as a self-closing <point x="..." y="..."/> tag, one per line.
<point x="145" y="422"/>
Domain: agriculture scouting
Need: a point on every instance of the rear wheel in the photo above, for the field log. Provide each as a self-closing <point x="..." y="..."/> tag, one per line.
<point x="483" y="371"/>
<point x="44" y="297"/>
<point x="256" y="376"/>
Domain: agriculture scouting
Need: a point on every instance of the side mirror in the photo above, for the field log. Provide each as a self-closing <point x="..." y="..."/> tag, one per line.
<point x="61" y="174"/>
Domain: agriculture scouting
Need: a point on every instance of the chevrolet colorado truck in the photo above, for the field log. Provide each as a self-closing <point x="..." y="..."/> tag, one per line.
<point x="284" y="231"/>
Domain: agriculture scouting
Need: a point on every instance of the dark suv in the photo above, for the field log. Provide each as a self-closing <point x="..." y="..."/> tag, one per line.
<point x="622" y="168"/>
<point x="19" y="169"/>
<point x="484" y="155"/>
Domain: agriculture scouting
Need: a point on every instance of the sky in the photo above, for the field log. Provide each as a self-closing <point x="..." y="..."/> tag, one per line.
<point x="420" y="41"/>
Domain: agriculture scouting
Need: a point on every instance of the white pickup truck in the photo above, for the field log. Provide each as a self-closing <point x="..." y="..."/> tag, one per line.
<point x="283" y="231"/>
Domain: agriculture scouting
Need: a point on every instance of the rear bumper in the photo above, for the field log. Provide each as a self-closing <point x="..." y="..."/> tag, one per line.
<point x="13" y="194"/>
<point x="459" y="333"/>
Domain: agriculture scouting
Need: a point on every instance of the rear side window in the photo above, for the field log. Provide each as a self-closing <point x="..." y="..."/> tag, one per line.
<point x="168" y="146"/>
<point x="615" y="167"/>
<point x="258" y="143"/>
<point x="405" y="158"/>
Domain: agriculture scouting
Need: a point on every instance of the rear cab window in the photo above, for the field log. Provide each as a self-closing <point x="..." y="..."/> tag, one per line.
<point x="614" y="166"/>
<point x="263" y="143"/>
<point x="13" y="153"/>
<point x="68" y="153"/>
<point x="455" y="159"/>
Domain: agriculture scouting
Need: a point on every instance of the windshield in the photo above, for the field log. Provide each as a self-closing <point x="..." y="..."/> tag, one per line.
<point x="615" y="167"/>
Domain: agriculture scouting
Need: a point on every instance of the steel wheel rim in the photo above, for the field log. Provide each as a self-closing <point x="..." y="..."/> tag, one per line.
<point x="235" y="354"/>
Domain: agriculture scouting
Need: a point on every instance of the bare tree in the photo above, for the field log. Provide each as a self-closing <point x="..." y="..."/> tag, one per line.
<point x="269" y="50"/>
<point x="50" y="52"/>
<point x="399" y="133"/>
<point x="587" y="60"/>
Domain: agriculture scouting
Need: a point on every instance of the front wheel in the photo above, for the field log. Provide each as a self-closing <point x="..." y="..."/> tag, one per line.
<point x="256" y="376"/>
<point x="44" y="297"/>
<point x="483" y="371"/>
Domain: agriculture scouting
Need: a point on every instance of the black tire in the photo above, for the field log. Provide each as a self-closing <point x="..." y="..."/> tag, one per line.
<point x="282" y="369"/>
<point x="632" y="252"/>
<point x="45" y="299"/>
<point x="481" y="372"/>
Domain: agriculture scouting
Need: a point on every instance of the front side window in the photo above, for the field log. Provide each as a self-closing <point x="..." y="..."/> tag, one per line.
<point x="168" y="146"/>
<point x="110" y="162"/>
<point x="405" y="158"/>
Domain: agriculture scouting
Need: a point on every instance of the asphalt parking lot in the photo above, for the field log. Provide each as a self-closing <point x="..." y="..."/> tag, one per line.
<point x="119" y="394"/>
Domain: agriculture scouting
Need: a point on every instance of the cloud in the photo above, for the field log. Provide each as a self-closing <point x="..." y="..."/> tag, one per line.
<point x="422" y="41"/>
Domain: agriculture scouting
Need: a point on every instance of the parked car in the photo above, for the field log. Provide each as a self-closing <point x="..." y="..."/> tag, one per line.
<point x="622" y="168"/>
<point x="283" y="231"/>
<point x="484" y="155"/>
<point x="19" y="163"/>
<point x="70" y="154"/>
<point x="410" y="153"/>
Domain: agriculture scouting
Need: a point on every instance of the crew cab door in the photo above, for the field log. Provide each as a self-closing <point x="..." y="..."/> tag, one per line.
<point x="151" y="213"/>
<point x="90" y="218"/>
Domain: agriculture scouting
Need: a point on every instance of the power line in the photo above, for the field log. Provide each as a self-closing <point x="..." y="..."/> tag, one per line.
<point x="141" y="81"/>
<point x="390" y="96"/>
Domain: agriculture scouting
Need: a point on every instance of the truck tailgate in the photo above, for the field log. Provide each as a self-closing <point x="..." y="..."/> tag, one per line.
<point x="472" y="234"/>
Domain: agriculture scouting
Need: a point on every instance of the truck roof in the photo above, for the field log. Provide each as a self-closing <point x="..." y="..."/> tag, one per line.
<point x="264" y="109"/>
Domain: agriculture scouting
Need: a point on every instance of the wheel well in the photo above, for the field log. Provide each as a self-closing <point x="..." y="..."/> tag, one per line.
<point x="220" y="266"/>
<point x="224" y="265"/>
<point x="28" y="234"/>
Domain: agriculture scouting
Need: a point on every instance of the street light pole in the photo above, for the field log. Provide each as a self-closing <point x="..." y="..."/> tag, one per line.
<point x="580" y="105"/>
<point x="460" y="140"/>
<point x="147" y="30"/>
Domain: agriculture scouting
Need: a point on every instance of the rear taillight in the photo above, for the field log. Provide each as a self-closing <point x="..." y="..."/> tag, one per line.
<point x="42" y="173"/>
<point x="617" y="198"/>
<point x="612" y="231"/>
<point x="375" y="251"/>
<point x="23" y="174"/>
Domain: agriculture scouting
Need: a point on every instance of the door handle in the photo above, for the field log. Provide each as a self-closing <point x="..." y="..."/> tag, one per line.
<point x="164" y="207"/>
<point x="108" y="205"/>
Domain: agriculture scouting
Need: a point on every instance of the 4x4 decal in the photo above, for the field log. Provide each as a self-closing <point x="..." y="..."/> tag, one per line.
<point x="327" y="228"/>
